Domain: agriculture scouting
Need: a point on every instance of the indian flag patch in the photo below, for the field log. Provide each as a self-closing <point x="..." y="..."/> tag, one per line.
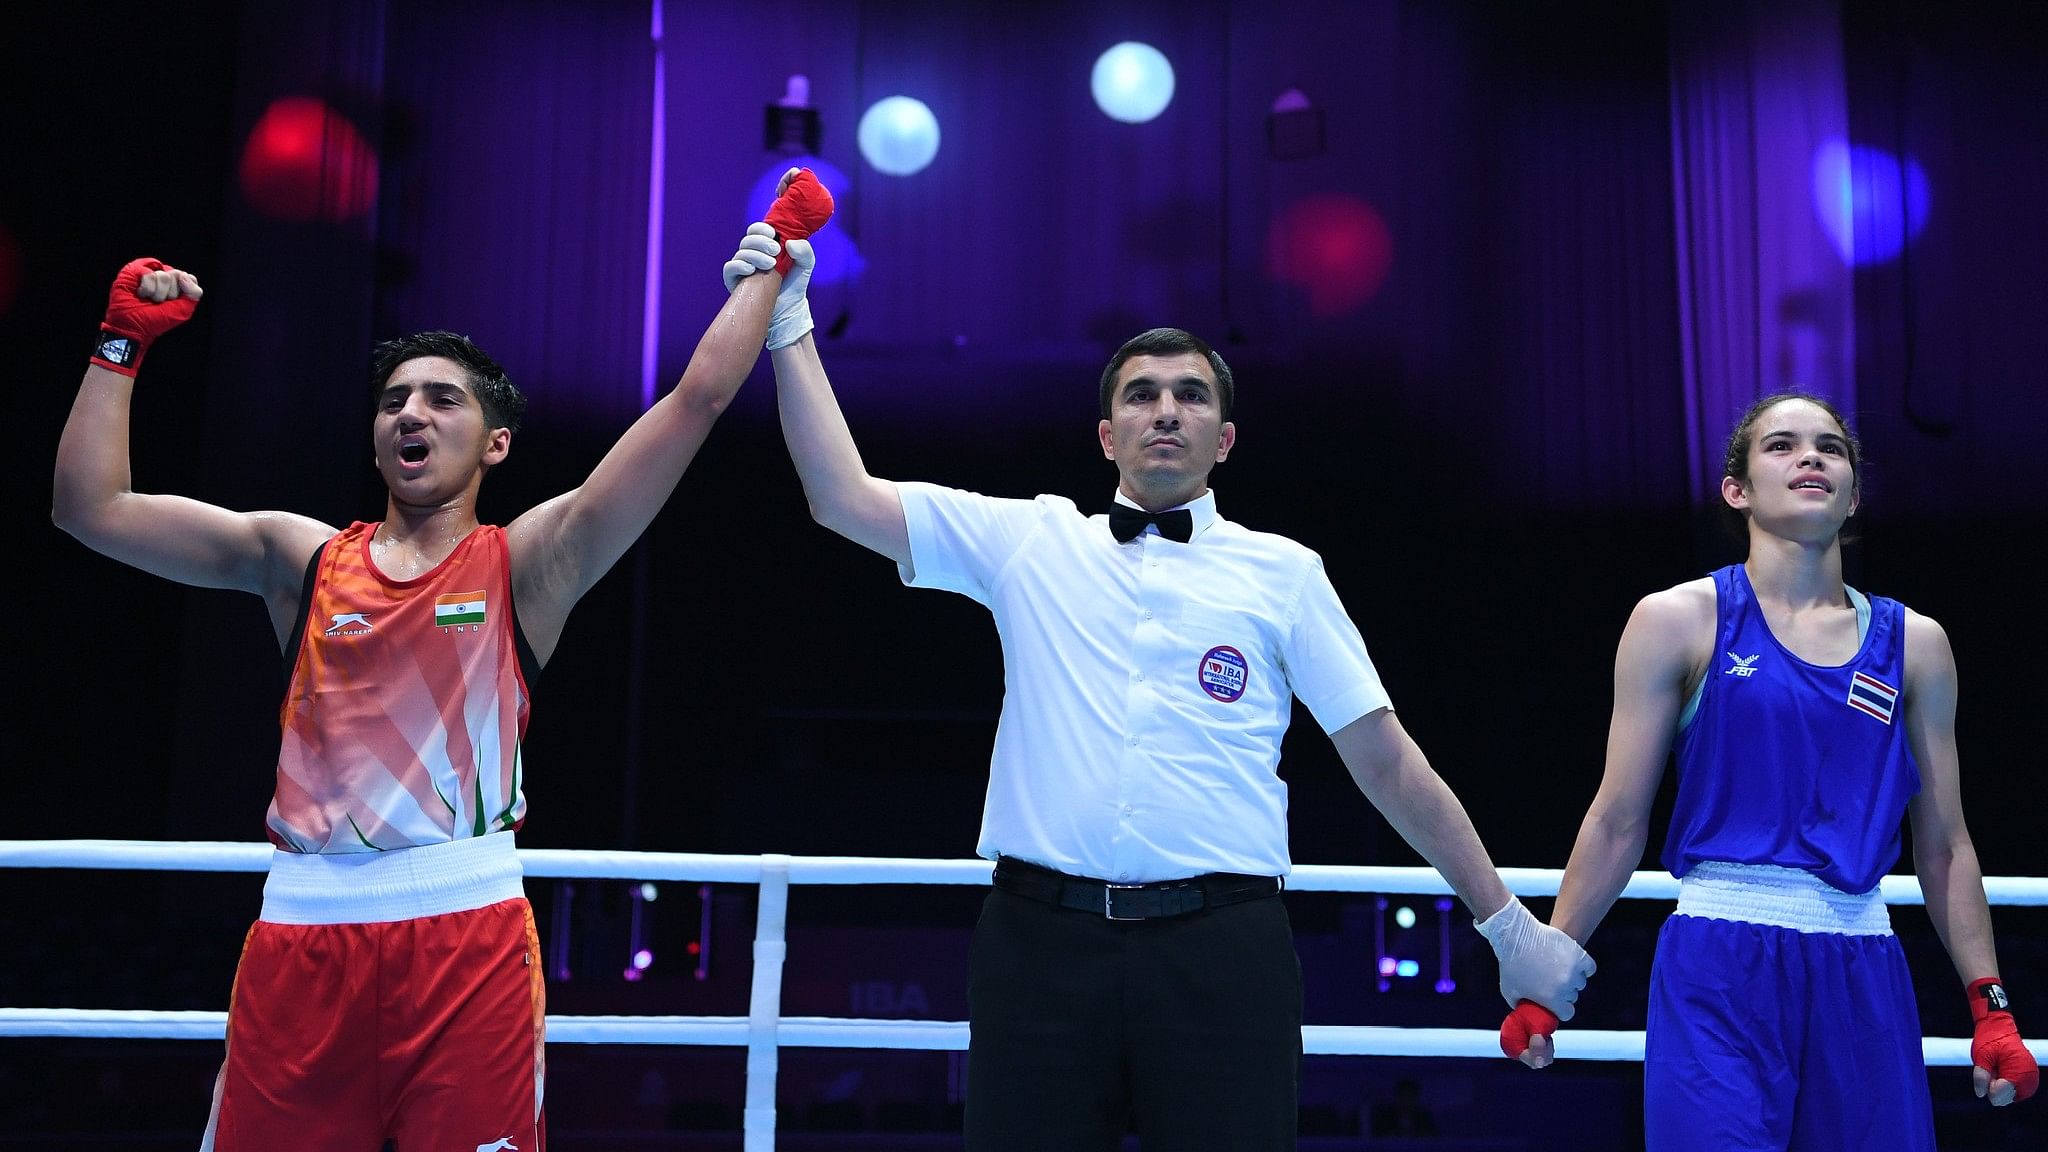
<point x="459" y="608"/>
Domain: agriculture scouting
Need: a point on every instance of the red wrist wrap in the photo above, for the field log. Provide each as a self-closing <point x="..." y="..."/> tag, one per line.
<point x="117" y="353"/>
<point x="1987" y="996"/>
<point x="803" y="208"/>
<point x="1996" y="1047"/>
<point x="132" y="322"/>
<point x="1529" y="1019"/>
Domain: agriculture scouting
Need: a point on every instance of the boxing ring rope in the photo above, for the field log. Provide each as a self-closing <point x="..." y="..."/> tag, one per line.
<point x="763" y="1031"/>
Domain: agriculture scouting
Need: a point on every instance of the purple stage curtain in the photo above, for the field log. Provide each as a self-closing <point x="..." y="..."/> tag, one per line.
<point x="1765" y="303"/>
<point x="1535" y="337"/>
<point x="513" y="143"/>
<point x="516" y="207"/>
<point x="287" y="401"/>
<point x="1041" y="226"/>
<point x="294" y="298"/>
<point x="1519" y="159"/>
<point x="1950" y="338"/>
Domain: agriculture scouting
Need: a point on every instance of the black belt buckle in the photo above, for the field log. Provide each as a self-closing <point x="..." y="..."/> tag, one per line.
<point x="1109" y="900"/>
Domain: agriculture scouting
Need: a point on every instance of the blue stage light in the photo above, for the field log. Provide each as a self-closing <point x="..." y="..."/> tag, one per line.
<point x="1132" y="82"/>
<point x="899" y="135"/>
<point x="1870" y="202"/>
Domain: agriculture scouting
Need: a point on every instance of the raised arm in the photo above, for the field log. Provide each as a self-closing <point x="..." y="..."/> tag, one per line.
<point x="1946" y="861"/>
<point x="1537" y="962"/>
<point x="842" y="495"/>
<point x="562" y="547"/>
<point x="170" y="536"/>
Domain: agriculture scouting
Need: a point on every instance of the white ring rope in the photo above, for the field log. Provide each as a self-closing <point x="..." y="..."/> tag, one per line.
<point x="764" y="1031"/>
<point x="916" y="1035"/>
<point x="699" y="867"/>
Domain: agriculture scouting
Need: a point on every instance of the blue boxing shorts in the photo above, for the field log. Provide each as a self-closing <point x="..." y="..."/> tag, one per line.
<point x="1781" y="1018"/>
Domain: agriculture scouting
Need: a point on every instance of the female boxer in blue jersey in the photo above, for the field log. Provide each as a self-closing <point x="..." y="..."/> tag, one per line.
<point x="1808" y="720"/>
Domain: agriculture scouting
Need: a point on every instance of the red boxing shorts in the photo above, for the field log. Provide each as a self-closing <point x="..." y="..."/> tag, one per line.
<point x="426" y="1030"/>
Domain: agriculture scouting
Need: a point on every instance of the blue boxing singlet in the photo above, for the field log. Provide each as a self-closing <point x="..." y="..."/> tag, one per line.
<point x="1794" y="764"/>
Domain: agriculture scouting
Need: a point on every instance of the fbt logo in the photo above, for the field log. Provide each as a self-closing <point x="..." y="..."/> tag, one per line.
<point x="1744" y="666"/>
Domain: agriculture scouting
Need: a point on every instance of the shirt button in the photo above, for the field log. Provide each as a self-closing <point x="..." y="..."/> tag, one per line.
<point x="1123" y="875"/>
<point x="1134" y="741"/>
<point x="1148" y="614"/>
<point x="1128" y="809"/>
<point x="1141" y="675"/>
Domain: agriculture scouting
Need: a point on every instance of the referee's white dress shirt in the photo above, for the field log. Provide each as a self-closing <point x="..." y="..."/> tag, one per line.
<point x="1146" y="685"/>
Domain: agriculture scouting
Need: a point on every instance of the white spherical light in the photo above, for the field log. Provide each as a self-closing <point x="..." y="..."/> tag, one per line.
<point x="899" y="135"/>
<point x="1132" y="82"/>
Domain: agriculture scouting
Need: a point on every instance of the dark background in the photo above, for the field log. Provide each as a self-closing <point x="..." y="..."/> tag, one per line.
<point x="1496" y="451"/>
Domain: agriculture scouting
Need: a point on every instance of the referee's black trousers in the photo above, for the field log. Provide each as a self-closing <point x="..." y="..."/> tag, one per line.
<point x="1186" y="1029"/>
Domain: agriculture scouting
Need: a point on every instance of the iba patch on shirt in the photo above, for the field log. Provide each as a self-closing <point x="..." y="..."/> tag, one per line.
<point x="1223" y="673"/>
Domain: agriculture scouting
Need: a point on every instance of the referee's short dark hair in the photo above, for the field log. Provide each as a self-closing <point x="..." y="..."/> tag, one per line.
<point x="1169" y="342"/>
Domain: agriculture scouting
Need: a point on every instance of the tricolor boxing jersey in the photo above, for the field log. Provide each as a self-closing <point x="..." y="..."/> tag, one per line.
<point x="407" y="702"/>
<point x="1791" y="763"/>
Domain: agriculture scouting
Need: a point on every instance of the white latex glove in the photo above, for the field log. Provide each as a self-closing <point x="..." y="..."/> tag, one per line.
<point x="792" y="306"/>
<point x="758" y="249"/>
<point x="757" y="253"/>
<point x="1537" y="962"/>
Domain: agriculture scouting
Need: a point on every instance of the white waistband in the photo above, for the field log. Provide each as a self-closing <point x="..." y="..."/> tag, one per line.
<point x="1781" y="898"/>
<point x="403" y="884"/>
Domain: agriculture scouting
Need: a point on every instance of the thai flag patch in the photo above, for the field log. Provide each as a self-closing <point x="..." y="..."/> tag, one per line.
<point x="1872" y="696"/>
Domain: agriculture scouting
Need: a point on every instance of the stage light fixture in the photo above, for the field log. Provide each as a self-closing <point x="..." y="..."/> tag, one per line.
<point x="791" y="124"/>
<point x="1294" y="128"/>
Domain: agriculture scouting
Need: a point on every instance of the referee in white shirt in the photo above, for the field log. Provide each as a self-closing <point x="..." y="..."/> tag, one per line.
<point x="1131" y="967"/>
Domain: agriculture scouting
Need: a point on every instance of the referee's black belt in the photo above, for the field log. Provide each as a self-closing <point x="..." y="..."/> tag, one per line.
<point x="1156" y="900"/>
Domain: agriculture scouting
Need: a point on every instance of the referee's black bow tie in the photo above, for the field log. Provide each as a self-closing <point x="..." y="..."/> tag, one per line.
<point x="1126" y="522"/>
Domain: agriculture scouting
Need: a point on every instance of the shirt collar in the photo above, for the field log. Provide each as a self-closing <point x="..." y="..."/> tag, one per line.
<point x="1202" y="509"/>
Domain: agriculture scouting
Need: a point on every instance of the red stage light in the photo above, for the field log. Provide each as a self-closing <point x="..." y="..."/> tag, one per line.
<point x="1335" y="246"/>
<point x="305" y="161"/>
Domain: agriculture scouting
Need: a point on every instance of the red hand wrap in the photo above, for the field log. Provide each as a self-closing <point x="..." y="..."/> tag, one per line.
<point x="1997" y="1047"/>
<point x="136" y="321"/>
<point x="803" y="208"/>
<point x="1528" y="1019"/>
